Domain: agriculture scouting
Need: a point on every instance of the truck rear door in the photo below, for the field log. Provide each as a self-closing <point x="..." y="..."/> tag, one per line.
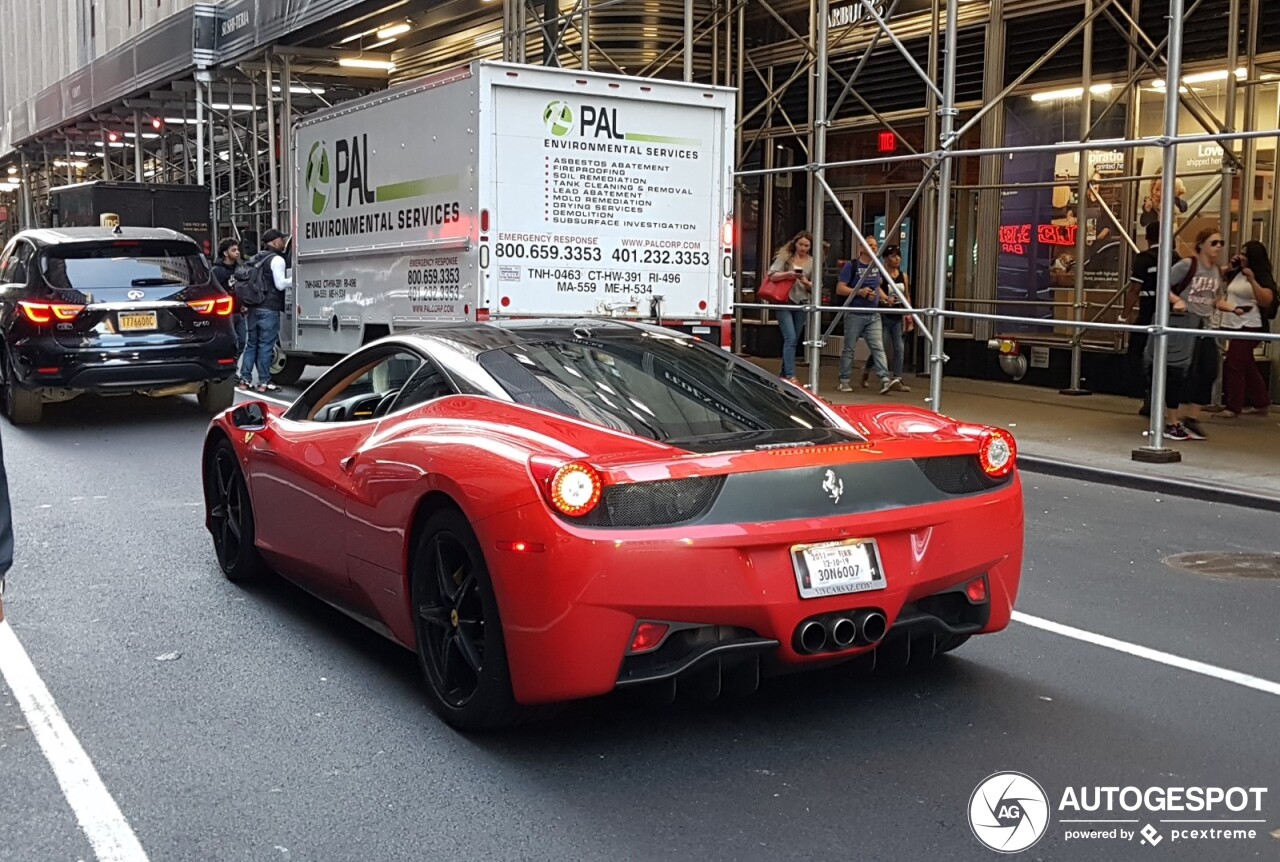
<point x="608" y="198"/>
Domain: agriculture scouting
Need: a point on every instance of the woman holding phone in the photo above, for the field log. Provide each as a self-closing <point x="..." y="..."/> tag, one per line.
<point x="794" y="261"/>
<point x="1251" y="287"/>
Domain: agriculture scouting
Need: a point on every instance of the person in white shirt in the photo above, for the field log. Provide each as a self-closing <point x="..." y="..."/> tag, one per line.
<point x="1251" y="287"/>
<point x="264" y="316"/>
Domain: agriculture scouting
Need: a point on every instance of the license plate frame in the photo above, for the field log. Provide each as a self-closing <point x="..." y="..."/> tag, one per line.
<point x="137" y="321"/>
<point x="807" y="559"/>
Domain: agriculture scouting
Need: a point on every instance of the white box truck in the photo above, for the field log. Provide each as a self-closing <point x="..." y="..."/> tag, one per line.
<point x="500" y="190"/>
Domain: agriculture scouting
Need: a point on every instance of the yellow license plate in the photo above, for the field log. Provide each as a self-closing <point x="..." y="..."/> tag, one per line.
<point x="137" y="321"/>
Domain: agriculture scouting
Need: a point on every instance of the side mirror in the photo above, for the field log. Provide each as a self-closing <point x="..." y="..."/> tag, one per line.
<point x="250" y="416"/>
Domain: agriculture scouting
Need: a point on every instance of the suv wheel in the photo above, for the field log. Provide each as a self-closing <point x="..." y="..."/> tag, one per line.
<point x="217" y="395"/>
<point x="23" y="407"/>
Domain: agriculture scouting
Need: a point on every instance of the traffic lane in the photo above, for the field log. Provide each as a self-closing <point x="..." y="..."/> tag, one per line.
<point x="323" y="746"/>
<point x="1095" y="560"/>
<point x="35" y="820"/>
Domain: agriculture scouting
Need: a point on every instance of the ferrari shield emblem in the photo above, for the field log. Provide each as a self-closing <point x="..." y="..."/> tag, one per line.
<point x="248" y="435"/>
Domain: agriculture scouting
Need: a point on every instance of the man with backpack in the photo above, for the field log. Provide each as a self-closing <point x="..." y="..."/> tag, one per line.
<point x="225" y="271"/>
<point x="262" y="294"/>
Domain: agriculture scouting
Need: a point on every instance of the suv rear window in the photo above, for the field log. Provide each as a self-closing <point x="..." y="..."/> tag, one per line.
<point x="125" y="263"/>
<point x="655" y="386"/>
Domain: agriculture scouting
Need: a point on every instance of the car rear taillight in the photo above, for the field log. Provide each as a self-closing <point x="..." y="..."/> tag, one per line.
<point x="48" y="312"/>
<point x="997" y="452"/>
<point x="976" y="590"/>
<point x="572" y="489"/>
<point x="221" y="307"/>
<point x="648" y="637"/>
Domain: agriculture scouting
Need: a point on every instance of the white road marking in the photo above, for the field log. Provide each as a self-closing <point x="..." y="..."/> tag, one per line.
<point x="103" y="823"/>
<point x="1220" y="673"/>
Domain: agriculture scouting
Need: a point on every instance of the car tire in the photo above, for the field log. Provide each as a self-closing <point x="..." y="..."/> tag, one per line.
<point x="460" y="645"/>
<point x="21" y="406"/>
<point x="229" y="514"/>
<point x="217" y="395"/>
<point x="286" y="370"/>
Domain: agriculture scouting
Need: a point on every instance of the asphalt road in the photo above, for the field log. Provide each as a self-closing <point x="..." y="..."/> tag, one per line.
<point x="259" y="725"/>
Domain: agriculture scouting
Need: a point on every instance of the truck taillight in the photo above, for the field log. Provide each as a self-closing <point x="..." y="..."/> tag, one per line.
<point x="726" y="233"/>
<point x="484" y="221"/>
<point x="726" y="331"/>
<point x="482" y="315"/>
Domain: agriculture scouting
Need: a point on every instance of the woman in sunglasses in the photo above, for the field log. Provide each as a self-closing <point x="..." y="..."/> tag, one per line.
<point x="1196" y="291"/>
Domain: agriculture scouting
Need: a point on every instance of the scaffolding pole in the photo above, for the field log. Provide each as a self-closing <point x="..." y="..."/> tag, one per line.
<point x="1082" y="202"/>
<point x="817" y="186"/>
<point x="946" y="138"/>
<point x="1155" y="450"/>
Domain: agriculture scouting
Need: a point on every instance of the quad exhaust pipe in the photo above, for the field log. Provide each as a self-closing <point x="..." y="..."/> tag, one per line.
<point x="864" y="628"/>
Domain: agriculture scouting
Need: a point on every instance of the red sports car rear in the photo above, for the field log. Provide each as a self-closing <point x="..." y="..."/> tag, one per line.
<point x="550" y="510"/>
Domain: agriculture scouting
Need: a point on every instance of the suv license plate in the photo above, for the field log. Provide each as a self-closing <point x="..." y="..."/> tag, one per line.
<point x="137" y="321"/>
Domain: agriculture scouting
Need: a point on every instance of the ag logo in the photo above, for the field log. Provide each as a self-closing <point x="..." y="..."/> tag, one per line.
<point x="318" y="177"/>
<point x="558" y="118"/>
<point x="1009" y="812"/>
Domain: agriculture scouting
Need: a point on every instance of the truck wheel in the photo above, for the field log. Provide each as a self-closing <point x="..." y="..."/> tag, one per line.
<point x="23" y="407"/>
<point x="217" y="395"/>
<point x="286" y="370"/>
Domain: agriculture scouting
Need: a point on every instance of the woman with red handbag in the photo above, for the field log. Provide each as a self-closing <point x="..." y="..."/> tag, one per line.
<point x="790" y="284"/>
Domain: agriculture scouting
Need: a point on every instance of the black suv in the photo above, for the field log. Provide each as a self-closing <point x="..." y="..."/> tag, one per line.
<point x="112" y="311"/>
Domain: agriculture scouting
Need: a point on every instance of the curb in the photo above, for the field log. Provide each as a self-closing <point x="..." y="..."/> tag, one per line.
<point x="1139" y="482"/>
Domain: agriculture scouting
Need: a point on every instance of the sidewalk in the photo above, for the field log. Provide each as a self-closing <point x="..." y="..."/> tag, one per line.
<point x="1098" y="432"/>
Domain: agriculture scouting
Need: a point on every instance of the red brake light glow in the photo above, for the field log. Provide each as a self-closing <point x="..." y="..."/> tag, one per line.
<point x="648" y="636"/>
<point x="222" y="306"/>
<point x="976" y="590"/>
<point x="575" y="489"/>
<point x="997" y="452"/>
<point x="47" y="312"/>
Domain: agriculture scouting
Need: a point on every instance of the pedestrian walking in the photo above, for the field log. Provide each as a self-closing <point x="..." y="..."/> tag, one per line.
<point x="793" y="265"/>
<point x="892" y="326"/>
<point x="860" y="285"/>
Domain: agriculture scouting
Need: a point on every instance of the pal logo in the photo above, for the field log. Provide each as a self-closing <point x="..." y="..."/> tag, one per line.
<point x="318" y="179"/>
<point x="558" y="117"/>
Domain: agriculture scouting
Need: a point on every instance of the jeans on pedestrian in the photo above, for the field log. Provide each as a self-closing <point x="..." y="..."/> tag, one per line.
<point x="891" y="326"/>
<point x="863" y="325"/>
<point x="240" y="322"/>
<point x="1243" y="380"/>
<point x="263" y="332"/>
<point x="791" y="323"/>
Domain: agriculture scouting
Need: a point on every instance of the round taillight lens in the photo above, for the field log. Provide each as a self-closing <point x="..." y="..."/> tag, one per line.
<point x="575" y="489"/>
<point x="997" y="452"/>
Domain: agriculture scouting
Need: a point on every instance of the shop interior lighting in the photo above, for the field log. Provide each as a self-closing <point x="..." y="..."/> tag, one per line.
<point x="362" y="63"/>
<point x="1070" y="93"/>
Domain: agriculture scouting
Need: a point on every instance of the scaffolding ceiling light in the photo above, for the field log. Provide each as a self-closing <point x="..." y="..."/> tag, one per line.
<point x="1070" y="93"/>
<point x="362" y="63"/>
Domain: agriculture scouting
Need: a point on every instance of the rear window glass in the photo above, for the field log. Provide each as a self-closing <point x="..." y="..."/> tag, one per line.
<point x="652" y="386"/>
<point x="123" y="264"/>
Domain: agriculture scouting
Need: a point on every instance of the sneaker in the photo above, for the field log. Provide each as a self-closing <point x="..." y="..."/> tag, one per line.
<point x="1176" y="432"/>
<point x="1194" y="430"/>
<point x="844" y="386"/>
<point x="865" y="385"/>
<point x="1256" y="411"/>
<point x="897" y="386"/>
<point x="885" y="385"/>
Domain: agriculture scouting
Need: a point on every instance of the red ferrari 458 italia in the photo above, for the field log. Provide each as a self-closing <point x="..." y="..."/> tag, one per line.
<point x="548" y="510"/>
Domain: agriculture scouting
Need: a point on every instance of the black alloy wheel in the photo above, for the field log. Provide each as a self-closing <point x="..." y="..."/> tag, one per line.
<point x="231" y="515"/>
<point x="459" y="633"/>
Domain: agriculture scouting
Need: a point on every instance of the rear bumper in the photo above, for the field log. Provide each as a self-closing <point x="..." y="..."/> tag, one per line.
<point x="42" y="363"/>
<point x="570" y="611"/>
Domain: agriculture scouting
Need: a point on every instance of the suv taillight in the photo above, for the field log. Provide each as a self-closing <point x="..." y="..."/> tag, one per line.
<point x="48" y="312"/>
<point x="222" y="306"/>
